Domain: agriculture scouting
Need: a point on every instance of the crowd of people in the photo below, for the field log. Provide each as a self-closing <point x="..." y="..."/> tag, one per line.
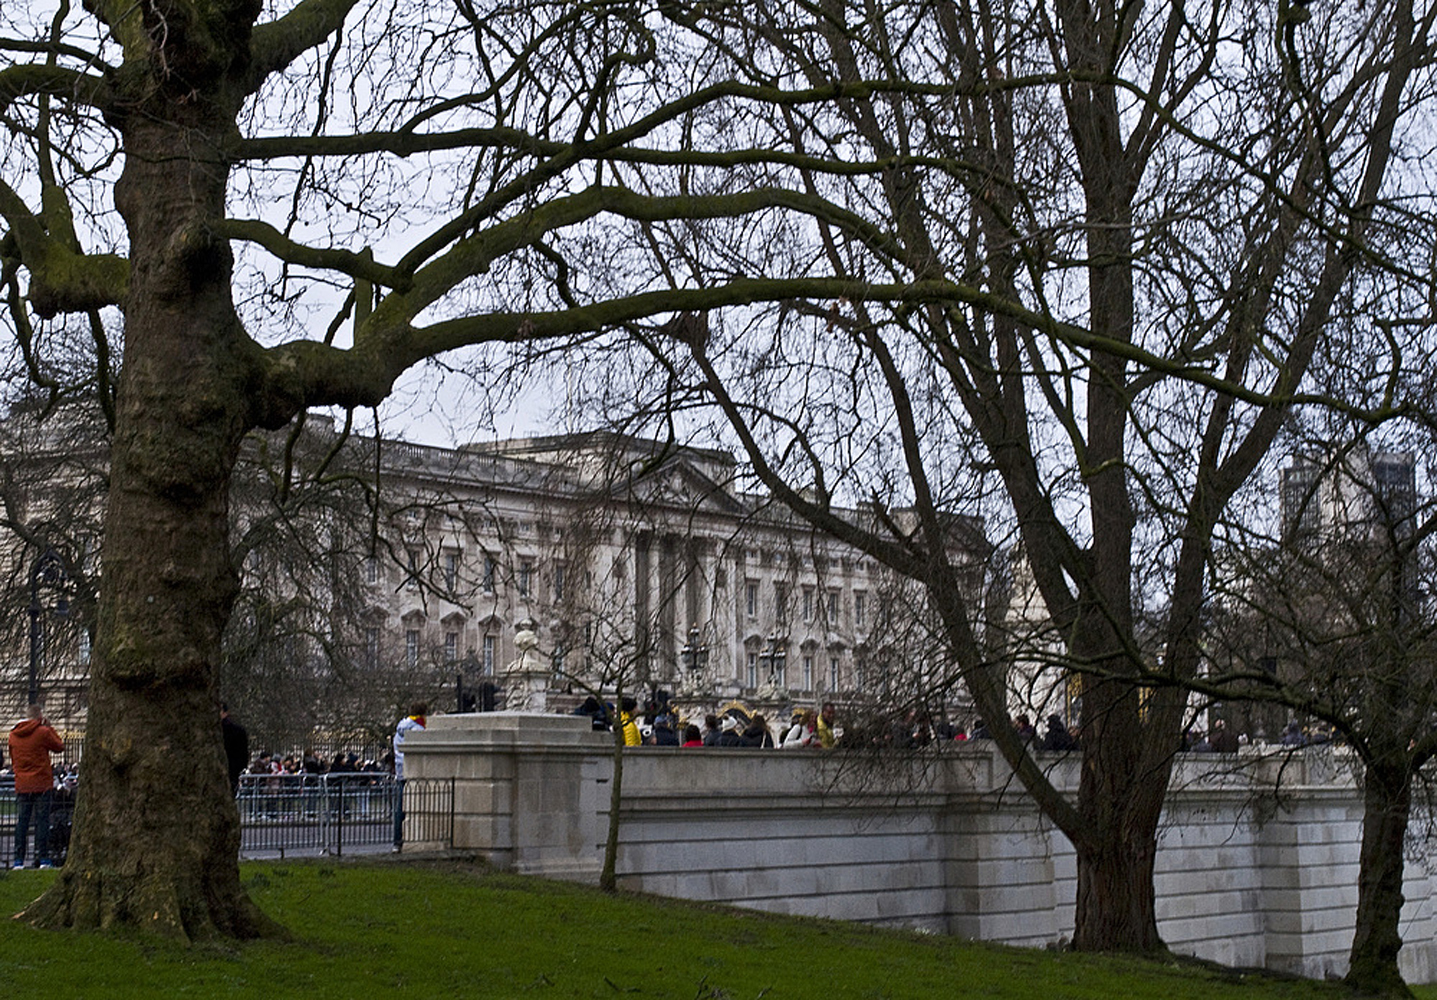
<point x="45" y="798"/>
<point x="658" y="724"/>
<point x="312" y="763"/>
<point x="1219" y="740"/>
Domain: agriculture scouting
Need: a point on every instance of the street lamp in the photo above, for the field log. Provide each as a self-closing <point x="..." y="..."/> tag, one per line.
<point x="47" y="571"/>
<point x="775" y="656"/>
<point x="695" y="654"/>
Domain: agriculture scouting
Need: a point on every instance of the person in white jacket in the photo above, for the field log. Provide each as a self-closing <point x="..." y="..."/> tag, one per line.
<point x="414" y="720"/>
<point x="803" y="732"/>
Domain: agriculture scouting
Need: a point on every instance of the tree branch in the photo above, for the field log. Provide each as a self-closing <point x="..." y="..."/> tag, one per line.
<point x="356" y="265"/>
<point x="62" y="279"/>
<point x="27" y="80"/>
<point x="276" y="44"/>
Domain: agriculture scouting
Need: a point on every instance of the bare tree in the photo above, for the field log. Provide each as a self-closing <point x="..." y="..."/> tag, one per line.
<point x="52" y="484"/>
<point x="1126" y="244"/>
<point x="1098" y="212"/>
<point x="307" y="516"/>
<point x="140" y="185"/>
<point x="1324" y="609"/>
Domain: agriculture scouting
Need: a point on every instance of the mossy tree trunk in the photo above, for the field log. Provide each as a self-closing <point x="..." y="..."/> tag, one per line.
<point x="157" y="834"/>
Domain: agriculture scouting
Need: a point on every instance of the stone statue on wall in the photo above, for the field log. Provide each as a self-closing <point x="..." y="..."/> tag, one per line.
<point x="526" y="680"/>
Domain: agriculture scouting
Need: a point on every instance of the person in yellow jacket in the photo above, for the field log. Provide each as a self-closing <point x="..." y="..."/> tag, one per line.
<point x="632" y="737"/>
<point x="826" y="738"/>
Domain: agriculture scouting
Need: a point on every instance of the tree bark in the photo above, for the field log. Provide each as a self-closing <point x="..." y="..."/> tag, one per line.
<point x="157" y="833"/>
<point x="1120" y="799"/>
<point x="1386" y="809"/>
<point x="1115" y="904"/>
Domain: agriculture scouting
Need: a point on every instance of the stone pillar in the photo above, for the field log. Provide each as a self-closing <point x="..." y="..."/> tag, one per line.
<point x="530" y="791"/>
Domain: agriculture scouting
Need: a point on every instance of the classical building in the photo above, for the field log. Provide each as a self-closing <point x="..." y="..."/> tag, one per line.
<point x="1326" y="498"/>
<point x="405" y="571"/>
<point x="640" y="565"/>
<point x="1342" y="571"/>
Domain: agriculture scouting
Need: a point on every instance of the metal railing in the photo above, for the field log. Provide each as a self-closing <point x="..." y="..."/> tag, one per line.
<point x="284" y="815"/>
<point x="429" y="811"/>
<point x="62" y="811"/>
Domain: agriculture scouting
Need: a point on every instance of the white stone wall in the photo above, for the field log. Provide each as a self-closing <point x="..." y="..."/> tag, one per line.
<point x="1250" y="872"/>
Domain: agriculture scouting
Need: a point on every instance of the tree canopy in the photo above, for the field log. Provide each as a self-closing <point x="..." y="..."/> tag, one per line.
<point x="217" y="215"/>
<point x="1150" y="239"/>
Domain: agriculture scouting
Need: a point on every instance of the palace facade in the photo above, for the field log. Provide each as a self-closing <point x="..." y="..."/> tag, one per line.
<point x="399" y="571"/>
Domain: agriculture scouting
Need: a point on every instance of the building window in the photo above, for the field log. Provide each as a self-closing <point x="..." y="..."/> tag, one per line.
<point x="559" y="657"/>
<point x="451" y="571"/>
<point x="371" y="569"/>
<point x="833" y="607"/>
<point x="753" y="670"/>
<point x="411" y="647"/>
<point x="487" y="581"/>
<point x="413" y="580"/>
<point x="780" y="602"/>
<point x="84" y="653"/>
<point x="558" y="582"/>
<point x="750" y="598"/>
<point x="808" y="604"/>
<point x="526" y="577"/>
<point x="860" y="609"/>
<point x="488" y="658"/>
<point x="833" y="674"/>
<point x="451" y="647"/>
<point x="371" y="646"/>
<point x="808" y="673"/>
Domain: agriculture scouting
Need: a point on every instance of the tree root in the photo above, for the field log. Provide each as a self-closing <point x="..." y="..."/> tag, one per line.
<point x="160" y="903"/>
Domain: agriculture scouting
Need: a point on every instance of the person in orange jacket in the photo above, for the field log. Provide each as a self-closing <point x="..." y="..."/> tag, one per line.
<point x="31" y="743"/>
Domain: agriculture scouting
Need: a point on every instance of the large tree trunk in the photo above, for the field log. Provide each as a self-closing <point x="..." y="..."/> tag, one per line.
<point x="1120" y="799"/>
<point x="1115" y="905"/>
<point x="156" y="832"/>
<point x="1386" y="806"/>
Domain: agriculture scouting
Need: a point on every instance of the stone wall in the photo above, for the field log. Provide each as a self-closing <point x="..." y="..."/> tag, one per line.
<point x="1256" y="866"/>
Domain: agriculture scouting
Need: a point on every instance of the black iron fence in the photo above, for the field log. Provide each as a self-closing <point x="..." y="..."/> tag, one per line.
<point x="292" y="815"/>
<point x="283" y="814"/>
<point x="62" y="811"/>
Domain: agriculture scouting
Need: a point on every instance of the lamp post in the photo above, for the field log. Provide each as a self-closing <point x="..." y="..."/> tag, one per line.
<point x="775" y="656"/>
<point x="694" y="656"/>
<point x="48" y="571"/>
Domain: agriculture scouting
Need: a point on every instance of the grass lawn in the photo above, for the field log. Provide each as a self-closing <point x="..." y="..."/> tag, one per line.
<point x="448" y="929"/>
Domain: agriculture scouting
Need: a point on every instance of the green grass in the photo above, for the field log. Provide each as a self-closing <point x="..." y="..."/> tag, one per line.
<point x="366" y="929"/>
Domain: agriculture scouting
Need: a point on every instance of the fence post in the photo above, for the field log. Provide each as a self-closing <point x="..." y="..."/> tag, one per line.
<point x="339" y="826"/>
